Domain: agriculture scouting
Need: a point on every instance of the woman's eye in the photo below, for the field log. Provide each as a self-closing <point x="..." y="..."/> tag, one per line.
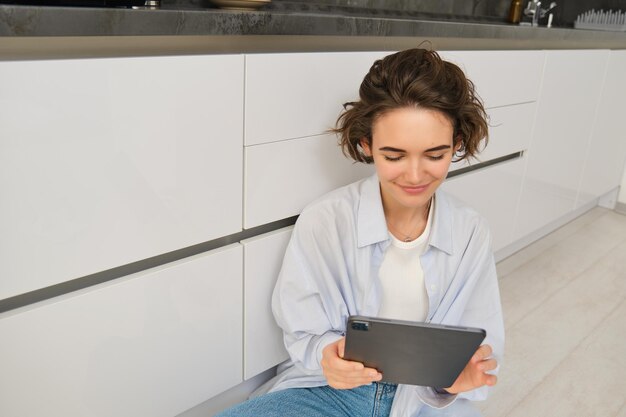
<point x="435" y="157"/>
<point x="392" y="158"/>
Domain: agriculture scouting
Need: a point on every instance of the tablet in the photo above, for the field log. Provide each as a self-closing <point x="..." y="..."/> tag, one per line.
<point x="413" y="353"/>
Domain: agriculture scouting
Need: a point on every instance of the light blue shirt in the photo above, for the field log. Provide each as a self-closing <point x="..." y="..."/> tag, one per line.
<point x="330" y="271"/>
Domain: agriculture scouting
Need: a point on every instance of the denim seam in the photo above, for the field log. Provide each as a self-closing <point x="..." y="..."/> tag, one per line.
<point x="379" y="391"/>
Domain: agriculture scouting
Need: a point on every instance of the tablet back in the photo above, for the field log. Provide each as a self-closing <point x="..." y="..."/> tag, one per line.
<point x="412" y="353"/>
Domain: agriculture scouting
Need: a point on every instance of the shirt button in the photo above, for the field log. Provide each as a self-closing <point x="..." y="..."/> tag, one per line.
<point x="433" y="287"/>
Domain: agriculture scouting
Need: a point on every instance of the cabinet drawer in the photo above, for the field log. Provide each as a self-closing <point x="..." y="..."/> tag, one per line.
<point x="510" y="131"/>
<point x="282" y="178"/>
<point x="502" y="77"/>
<point x="300" y="94"/>
<point x="295" y="95"/>
<point x="110" y="161"/>
<point x="263" y="339"/>
<point x="152" y="344"/>
<point x="494" y="193"/>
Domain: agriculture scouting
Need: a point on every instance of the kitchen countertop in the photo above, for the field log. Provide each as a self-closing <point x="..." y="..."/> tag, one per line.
<point x="36" y="31"/>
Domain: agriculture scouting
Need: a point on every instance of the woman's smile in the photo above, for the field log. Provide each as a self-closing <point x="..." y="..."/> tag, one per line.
<point x="413" y="189"/>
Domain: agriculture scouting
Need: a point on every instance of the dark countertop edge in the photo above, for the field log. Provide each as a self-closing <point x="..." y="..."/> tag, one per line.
<point x="41" y="31"/>
<point x="129" y="46"/>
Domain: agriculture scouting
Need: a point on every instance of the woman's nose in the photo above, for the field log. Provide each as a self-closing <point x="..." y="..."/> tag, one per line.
<point x="414" y="172"/>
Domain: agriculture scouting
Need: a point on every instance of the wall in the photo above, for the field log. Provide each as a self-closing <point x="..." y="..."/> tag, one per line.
<point x="622" y="193"/>
<point x="568" y="10"/>
<point x="497" y="11"/>
<point x="565" y="12"/>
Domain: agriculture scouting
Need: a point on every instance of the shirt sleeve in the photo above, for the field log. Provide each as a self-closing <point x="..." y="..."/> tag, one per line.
<point x="483" y="308"/>
<point x="307" y="301"/>
<point x="472" y="300"/>
<point x="434" y="399"/>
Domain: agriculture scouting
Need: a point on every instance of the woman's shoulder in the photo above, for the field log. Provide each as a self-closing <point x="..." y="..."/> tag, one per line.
<point x="332" y="213"/>
<point x="341" y="201"/>
<point x="461" y="214"/>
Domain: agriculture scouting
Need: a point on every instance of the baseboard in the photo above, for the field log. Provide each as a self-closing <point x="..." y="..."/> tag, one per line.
<point x="609" y="200"/>
<point x="230" y="397"/>
<point x="620" y="207"/>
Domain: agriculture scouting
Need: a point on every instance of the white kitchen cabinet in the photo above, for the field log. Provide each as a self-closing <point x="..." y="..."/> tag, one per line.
<point x="501" y="77"/>
<point x="263" y="339"/>
<point x="494" y="193"/>
<point x="510" y="130"/>
<point x="104" y="162"/>
<point x="566" y="109"/>
<point x="300" y="94"/>
<point x="151" y="344"/>
<point x="607" y="148"/>
<point x="281" y="178"/>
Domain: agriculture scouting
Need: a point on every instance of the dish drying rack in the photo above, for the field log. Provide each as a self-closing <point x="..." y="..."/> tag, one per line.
<point x="601" y="20"/>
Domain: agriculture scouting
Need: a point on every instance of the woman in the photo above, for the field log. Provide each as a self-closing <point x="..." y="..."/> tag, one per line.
<point x="390" y="246"/>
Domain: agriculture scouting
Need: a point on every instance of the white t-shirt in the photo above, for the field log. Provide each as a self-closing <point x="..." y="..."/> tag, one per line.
<point x="404" y="295"/>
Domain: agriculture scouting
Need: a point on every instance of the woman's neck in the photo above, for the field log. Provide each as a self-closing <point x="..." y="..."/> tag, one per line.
<point x="406" y="223"/>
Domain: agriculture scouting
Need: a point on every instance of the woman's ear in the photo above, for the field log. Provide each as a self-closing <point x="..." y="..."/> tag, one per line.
<point x="367" y="150"/>
<point x="459" y="143"/>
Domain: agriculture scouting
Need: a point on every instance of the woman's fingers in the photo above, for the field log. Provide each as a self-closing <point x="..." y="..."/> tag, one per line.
<point x="475" y="373"/>
<point x="354" y="381"/>
<point x="341" y="347"/>
<point x="488" y="365"/>
<point x="353" y="371"/>
<point x="345" y="380"/>
<point x="483" y="352"/>
<point x="491" y="380"/>
<point x="344" y="374"/>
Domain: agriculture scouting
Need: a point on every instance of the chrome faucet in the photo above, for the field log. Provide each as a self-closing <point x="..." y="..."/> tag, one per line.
<point x="534" y="10"/>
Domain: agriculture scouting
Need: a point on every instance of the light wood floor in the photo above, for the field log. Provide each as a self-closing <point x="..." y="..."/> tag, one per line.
<point x="564" y="301"/>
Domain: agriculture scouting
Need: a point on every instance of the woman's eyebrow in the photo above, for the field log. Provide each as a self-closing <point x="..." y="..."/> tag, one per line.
<point x="438" y="148"/>
<point x="391" y="149"/>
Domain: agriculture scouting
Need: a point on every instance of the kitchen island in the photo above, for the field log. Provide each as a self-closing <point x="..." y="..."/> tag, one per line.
<point x="154" y="162"/>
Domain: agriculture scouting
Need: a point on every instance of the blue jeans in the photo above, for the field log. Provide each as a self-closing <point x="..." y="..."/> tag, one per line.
<point x="365" y="401"/>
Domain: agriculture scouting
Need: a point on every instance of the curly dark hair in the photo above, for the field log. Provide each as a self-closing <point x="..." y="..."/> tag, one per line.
<point x="414" y="78"/>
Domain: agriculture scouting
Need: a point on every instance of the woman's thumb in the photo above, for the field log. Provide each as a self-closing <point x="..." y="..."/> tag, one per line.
<point x="341" y="347"/>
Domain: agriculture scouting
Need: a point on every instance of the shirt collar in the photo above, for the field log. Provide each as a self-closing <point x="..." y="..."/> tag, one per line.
<point x="372" y="227"/>
<point x="441" y="228"/>
<point x="371" y="224"/>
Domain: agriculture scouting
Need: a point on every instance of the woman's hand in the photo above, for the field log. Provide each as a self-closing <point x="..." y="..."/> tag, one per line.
<point x="475" y="373"/>
<point x="342" y="374"/>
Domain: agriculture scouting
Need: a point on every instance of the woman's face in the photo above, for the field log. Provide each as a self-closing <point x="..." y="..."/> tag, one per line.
<point x="412" y="150"/>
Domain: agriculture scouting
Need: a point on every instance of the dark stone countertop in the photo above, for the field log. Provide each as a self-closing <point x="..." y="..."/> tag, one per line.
<point x="267" y="30"/>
